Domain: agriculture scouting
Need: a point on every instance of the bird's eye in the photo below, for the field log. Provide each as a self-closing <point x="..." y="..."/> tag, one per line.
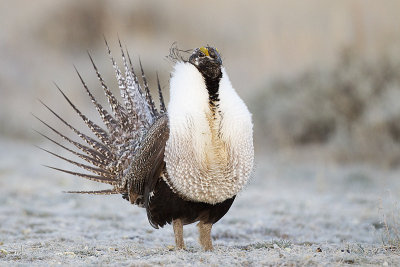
<point x="212" y="53"/>
<point x="201" y="54"/>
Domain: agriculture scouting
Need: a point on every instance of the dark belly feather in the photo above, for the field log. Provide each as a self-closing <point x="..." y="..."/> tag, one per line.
<point x="165" y="206"/>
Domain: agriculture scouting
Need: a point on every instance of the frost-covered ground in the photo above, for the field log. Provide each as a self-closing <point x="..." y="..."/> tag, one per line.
<point x="293" y="213"/>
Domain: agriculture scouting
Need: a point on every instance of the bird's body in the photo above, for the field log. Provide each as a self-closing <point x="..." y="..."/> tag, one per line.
<point x="182" y="166"/>
<point x="209" y="152"/>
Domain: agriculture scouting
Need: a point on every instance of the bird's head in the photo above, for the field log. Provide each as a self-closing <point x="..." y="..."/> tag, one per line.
<point x="208" y="61"/>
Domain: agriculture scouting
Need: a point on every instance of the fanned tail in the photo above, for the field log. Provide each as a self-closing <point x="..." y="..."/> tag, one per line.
<point x="149" y="99"/>
<point x="99" y="192"/>
<point x="163" y="109"/>
<point x="97" y="130"/>
<point x="133" y="141"/>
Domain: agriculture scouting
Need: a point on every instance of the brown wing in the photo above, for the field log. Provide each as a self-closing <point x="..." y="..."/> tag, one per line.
<point x="148" y="160"/>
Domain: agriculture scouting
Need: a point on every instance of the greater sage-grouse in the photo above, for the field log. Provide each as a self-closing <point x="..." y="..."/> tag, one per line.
<point x="183" y="165"/>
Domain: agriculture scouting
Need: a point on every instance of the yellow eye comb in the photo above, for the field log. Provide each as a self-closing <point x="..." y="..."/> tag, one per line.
<point x="205" y="51"/>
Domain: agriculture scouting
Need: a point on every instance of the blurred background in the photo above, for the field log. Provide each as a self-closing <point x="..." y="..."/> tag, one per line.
<point x="321" y="78"/>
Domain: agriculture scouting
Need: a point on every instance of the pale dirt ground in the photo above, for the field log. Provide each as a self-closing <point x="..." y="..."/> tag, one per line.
<point x="294" y="204"/>
<point x="288" y="211"/>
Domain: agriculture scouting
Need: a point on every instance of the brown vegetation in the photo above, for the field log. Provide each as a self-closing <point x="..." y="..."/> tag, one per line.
<point x="352" y="109"/>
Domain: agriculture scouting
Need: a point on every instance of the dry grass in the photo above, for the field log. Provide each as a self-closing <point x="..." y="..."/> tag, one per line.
<point x="352" y="110"/>
<point x="391" y="227"/>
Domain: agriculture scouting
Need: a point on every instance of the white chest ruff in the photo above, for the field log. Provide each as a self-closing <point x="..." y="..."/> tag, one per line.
<point x="209" y="158"/>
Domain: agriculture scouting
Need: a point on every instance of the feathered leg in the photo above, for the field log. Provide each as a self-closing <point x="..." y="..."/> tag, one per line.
<point x="205" y="235"/>
<point x="178" y="231"/>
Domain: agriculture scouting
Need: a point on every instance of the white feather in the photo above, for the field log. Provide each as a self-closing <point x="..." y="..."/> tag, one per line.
<point x="209" y="158"/>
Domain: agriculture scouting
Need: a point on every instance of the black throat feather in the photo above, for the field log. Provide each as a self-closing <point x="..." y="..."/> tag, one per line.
<point x="208" y="62"/>
<point x="212" y="85"/>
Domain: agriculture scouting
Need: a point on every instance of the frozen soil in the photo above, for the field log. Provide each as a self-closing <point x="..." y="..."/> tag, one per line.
<point x="294" y="212"/>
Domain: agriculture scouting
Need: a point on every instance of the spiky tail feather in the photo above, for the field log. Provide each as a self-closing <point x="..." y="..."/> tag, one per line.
<point x="116" y="155"/>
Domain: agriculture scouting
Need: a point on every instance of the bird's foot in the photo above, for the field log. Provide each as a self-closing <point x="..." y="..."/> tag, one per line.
<point x="178" y="232"/>
<point x="205" y="236"/>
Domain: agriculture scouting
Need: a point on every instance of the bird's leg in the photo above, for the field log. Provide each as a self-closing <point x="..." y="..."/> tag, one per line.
<point x="205" y="235"/>
<point x="178" y="231"/>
